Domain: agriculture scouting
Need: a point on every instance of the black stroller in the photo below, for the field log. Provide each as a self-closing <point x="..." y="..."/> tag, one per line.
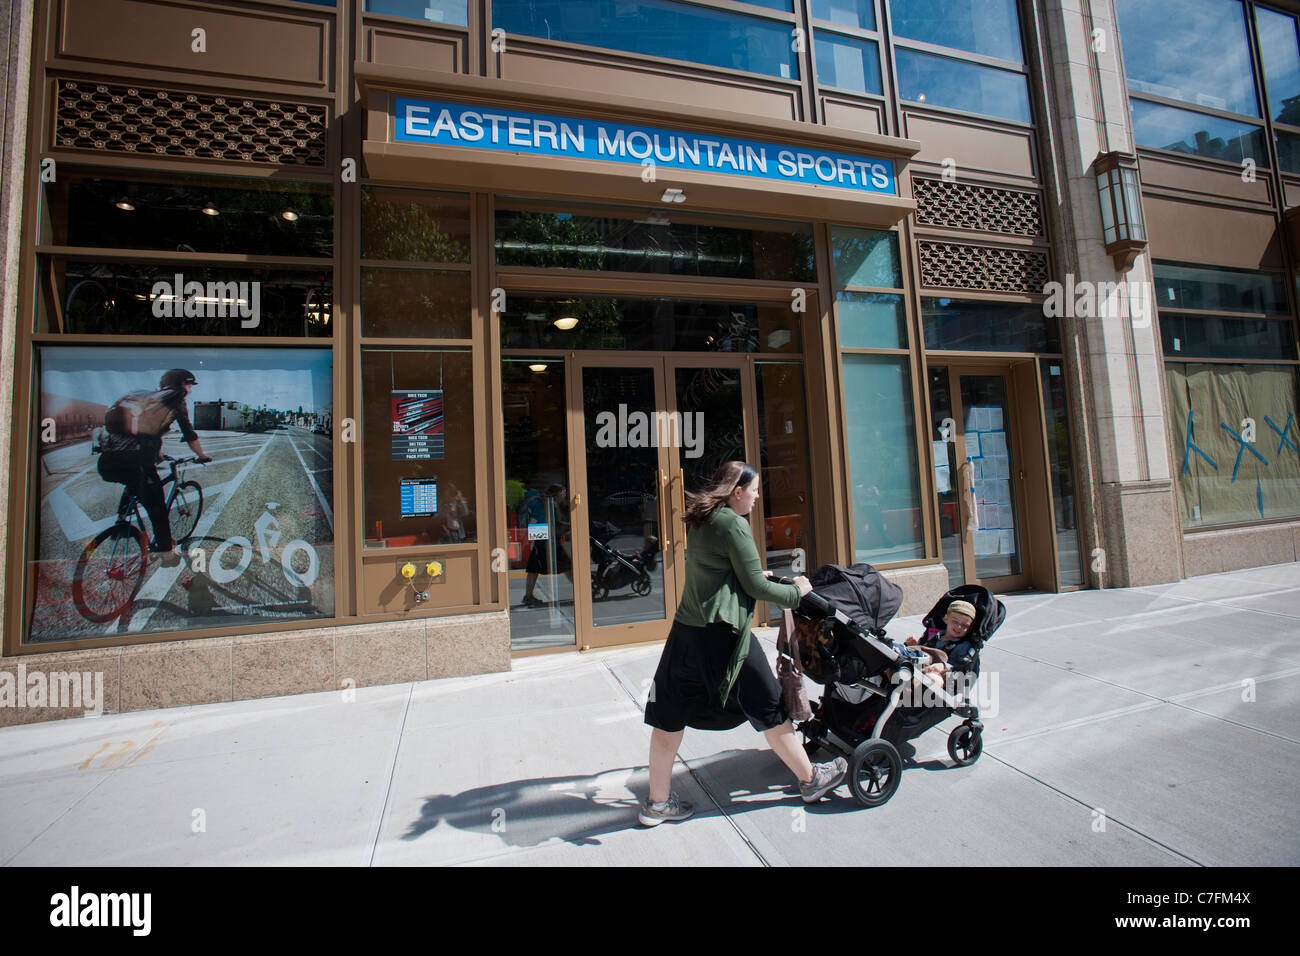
<point x="617" y="569"/>
<point x="868" y="678"/>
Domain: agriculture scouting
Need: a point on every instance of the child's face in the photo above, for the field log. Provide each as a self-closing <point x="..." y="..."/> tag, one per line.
<point x="958" y="624"/>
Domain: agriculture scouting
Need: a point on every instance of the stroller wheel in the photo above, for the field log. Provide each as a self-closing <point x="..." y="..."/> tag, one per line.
<point x="641" y="586"/>
<point x="874" y="772"/>
<point x="965" y="744"/>
<point x="599" y="592"/>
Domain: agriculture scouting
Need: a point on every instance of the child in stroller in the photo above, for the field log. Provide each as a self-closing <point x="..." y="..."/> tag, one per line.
<point x="840" y="642"/>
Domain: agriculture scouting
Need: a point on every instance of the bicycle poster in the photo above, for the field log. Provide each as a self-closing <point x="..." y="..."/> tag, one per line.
<point x="243" y="490"/>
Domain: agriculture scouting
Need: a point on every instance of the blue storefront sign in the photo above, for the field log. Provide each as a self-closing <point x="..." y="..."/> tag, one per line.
<point x="543" y="134"/>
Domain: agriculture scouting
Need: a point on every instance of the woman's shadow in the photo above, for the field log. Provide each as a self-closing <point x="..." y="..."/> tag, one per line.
<point x="581" y="808"/>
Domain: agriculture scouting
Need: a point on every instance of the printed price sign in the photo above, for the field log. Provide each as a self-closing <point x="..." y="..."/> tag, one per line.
<point x="419" y="496"/>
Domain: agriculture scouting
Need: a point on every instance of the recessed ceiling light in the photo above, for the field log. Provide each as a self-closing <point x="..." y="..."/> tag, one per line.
<point x="289" y="216"/>
<point x="566" y="323"/>
<point x="210" y="210"/>
<point x="537" y="368"/>
<point x="124" y="204"/>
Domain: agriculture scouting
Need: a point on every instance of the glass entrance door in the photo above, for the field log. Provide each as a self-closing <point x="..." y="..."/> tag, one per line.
<point x="977" y="477"/>
<point x="601" y="451"/>
<point x="624" y="544"/>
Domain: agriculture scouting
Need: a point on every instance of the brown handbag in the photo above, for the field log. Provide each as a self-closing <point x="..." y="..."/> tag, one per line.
<point x="789" y="670"/>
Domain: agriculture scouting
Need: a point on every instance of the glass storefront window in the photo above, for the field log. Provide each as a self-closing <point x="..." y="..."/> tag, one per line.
<point x="987" y="27"/>
<point x="434" y="11"/>
<point x="866" y="257"/>
<point x="660" y="28"/>
<point x="1195" y="51"/>
<point x="850" y="13"/>
<point x="182" y="299"/>
<point x="409" y="303"/>
<point x="1222" y="478"/>
<point x="847" y="63"/>
<point x="255" y="526"/>
<point x="1217" y="289"/>
<point x="1288" y="152"/>
<point x="968" y="325"/>
<point x="871" y="320"/>
<point x="1280" y="54"/>
<point x="783" y="450"/>
<point x="885" y="480"/>
<point x="417" y="442"/>
<point x="1060" y="459"/>
<point x="617" y="239"/>
<point x="1182" y="131"/>
<point x="957" y="85"/>
<point x="189" y="214"/>
<point x="414" y="225"/>
<point x="647" y="324"/>
<point x="538" y="525"/>
<point x="1208" y="336"/>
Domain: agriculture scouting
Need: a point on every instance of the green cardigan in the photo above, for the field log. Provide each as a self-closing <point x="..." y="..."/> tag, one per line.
<point x="724" y="577"/>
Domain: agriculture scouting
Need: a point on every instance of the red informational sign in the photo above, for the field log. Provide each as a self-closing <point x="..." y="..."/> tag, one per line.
<point x="417" y="425"/>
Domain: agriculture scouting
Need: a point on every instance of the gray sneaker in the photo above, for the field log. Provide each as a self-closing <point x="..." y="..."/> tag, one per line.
<point x="674" y="809"/>
<point x="826" y="777"/>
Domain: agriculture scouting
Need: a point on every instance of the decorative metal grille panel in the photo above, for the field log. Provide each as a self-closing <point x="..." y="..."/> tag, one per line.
<point x="950" y="265"/>
<point x="985" y="208"/>
<point x="138" y="119"/>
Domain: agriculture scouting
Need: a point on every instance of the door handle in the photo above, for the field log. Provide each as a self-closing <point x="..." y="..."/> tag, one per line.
<point x="661" y="485"/>
<point x="577" y="499"/>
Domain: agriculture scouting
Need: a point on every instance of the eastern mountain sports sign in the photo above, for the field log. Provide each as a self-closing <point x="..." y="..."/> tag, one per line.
<point x="543" y="134"/>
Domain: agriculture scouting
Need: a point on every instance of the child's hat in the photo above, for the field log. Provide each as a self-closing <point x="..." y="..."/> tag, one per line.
<point x="962" y="607"/>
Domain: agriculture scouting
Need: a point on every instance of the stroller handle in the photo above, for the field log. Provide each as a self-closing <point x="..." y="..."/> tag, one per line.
<point x="812" y="601"/>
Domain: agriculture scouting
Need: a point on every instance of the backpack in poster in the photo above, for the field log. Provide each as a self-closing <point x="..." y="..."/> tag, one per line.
<point x="140" y="413"/>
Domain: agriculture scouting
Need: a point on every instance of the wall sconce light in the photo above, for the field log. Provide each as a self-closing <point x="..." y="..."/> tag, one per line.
<point x="1124" y="230"/>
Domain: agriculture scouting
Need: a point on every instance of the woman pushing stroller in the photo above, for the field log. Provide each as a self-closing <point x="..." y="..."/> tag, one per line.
<point x="712" y="674"/>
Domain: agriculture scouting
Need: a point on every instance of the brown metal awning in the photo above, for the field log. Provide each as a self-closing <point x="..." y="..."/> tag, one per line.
<point x="521" y="173"/>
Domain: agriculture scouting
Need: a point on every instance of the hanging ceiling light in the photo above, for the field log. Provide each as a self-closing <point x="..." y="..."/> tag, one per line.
<point x="539" y="367"/>
<point x="210" y="210"/>
<point x="289" y="216"/>
<point x="566" y="323"/>
<point x="124" y="204"/>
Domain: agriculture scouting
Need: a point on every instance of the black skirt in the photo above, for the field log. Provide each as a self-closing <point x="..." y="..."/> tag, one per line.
<point x="692" y="665"/>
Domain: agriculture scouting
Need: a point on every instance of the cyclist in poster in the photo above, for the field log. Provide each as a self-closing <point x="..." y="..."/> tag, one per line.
<point x="135" y="425"/>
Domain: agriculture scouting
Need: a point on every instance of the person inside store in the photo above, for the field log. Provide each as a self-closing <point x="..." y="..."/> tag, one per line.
<point x="132" y="448"/>
<point x="551" y="509"/>
<point x="712" y="673"/>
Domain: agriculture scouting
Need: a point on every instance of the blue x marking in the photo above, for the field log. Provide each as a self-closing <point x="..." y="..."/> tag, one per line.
<point x="1242" y="450"/>
<point x="1282" y="433"/>
<point x="1187" y="452"/>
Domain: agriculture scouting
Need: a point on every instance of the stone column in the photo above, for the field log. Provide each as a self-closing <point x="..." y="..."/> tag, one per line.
<point x="1118" y="408"/>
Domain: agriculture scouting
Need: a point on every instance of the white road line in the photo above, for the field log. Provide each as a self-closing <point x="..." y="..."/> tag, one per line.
<point x="311" y="449"/>
<point x="164" y="577"/>
<point x="329" y="512"/>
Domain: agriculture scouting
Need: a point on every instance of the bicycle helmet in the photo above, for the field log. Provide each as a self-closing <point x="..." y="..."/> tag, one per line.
<point x="177" y="378"/>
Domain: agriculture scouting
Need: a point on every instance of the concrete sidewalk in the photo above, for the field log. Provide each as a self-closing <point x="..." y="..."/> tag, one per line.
<point x="1152" y="726"/>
